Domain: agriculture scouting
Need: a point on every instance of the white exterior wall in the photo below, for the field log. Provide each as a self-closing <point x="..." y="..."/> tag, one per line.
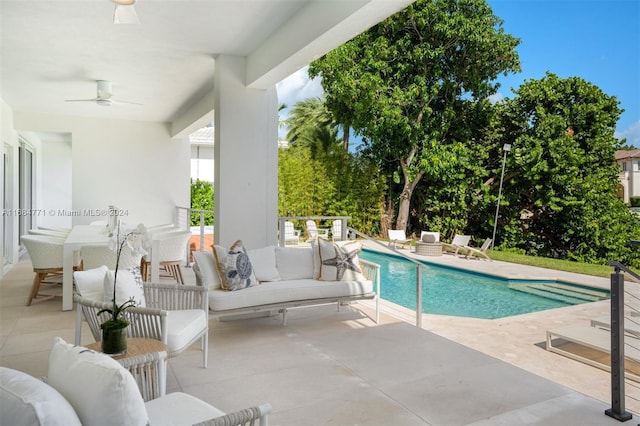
<point x="634" y="177"/>
<point x="246" y="135"/>
<point x="135" y="166"/>
<point x="10" y="146"/>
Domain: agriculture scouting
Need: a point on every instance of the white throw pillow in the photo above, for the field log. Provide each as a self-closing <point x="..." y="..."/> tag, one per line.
<point x="129" y="286"/>
<point x="294" y="263"/>
<point x="340" y="262"/>
<point x="264" y="263"/>
<point x="99" y="389"/>
<point x="236" y="271"/>
<point x="90" y="283"/>
<point x="25" y="400"/>
<point x="207" y="265"/>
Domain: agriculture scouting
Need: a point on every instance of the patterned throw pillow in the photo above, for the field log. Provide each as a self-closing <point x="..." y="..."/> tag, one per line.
<point x="236" y="270"/>
<point x="340" y="262"/>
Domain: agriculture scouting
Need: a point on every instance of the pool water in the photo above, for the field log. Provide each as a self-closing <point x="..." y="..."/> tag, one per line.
<point x="455" y="292"/>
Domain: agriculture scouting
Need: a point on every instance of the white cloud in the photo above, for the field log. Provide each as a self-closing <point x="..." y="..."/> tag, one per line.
<point x="631" y="134"/>
<point x="496" y="97"/>
<point x="298" y="87"/>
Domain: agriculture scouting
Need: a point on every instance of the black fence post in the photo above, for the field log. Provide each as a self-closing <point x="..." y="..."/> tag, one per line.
<point x="617" y="410"/>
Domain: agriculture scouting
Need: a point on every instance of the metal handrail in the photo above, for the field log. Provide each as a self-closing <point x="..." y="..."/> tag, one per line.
<point x="419" y="266"/>
<point x="619" y="267"/>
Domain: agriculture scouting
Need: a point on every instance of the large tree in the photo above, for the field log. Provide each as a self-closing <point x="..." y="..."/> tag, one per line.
<point x="559" y="193"/>
<point x="407" y="83"/>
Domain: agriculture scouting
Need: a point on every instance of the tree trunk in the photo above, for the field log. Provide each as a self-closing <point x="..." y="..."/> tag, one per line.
<point x="405" y="201"/>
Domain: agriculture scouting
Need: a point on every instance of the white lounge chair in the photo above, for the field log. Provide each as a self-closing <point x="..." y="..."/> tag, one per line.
<point x="594" y="338"/>
<point x="314" y="232"/>
<point x="481" y="252"/>
<point x="291" y="234"/>
<point x="398" y="236"/>
<point x="459" y="242"/>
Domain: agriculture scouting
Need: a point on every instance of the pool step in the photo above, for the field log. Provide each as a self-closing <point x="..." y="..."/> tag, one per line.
<point x="561" y="292"/>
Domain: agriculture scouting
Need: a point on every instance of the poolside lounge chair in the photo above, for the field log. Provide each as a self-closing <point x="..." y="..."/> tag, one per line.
<point x="481" y="252"/>
<point x="291" y="235"/>
<point x="594" y="338"/>
<point x="459" y="242"/>
<point x="397" y="236"/>
<point x="314" y="232"/>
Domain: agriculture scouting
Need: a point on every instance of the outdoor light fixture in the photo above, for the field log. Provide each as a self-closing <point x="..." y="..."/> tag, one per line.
<point x="505" y="149"/>
<point x="125" y="12"/>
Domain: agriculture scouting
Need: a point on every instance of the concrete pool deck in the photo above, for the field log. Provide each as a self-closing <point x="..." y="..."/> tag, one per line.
<point x="328" y="367"/>
<point x="520" y="340"/>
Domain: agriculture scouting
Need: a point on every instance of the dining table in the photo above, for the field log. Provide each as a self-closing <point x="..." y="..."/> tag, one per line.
<point x="83" y="235"/>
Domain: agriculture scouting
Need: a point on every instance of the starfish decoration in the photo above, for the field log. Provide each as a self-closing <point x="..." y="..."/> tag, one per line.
<point x="343" y="262"/>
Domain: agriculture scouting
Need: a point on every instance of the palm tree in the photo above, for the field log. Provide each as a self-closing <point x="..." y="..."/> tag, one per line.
<point x="310" y="124"/>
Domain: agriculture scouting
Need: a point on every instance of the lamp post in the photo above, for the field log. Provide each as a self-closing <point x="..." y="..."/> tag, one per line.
<point x="506" y="148"/>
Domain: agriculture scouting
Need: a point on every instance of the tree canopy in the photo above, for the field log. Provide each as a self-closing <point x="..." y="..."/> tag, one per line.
<point x="409" y="85"/>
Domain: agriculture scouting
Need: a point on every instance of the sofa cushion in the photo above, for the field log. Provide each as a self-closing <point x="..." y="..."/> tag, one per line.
<point x="182" y="325"/>
<point x="236" y="271"/>
<point x="129" y="286"/>
<point x="179" y="408"/>
<point x="100" y="390"/>
<point x="90" y="283"/>
<point x="286" y="291"/>
<point x="294" y="263"/>
<point x="25" y="400"/>
<point x="206" y="262"/>
<point x="263" y="261"/>
<point x="339" y="261"/>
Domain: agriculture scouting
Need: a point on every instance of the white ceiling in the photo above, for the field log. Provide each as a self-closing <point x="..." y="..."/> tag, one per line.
<point x="52" y="50"/>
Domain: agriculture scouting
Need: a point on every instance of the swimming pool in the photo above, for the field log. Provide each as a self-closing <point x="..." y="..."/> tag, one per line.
<point x="456" y="292"/>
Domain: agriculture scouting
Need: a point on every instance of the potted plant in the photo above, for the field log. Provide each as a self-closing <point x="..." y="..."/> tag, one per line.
<point x="114" y="329"/>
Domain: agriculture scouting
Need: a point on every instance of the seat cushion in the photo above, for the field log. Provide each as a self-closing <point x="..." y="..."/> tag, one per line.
<point x="179" y="408"/>
<point x="100" y="390"/>
<point x="25" y="400"/>
<point x="183" y="326"/>
<point x="286" y="291"/>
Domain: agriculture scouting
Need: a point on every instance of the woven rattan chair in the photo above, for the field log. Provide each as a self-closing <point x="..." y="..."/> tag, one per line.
<point x="177" y="315"/>
<point x="46" y="257"/>
<point x="246" y="417"/>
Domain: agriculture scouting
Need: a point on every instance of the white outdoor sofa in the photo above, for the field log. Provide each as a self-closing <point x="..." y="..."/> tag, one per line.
<point x="286" y="276"/>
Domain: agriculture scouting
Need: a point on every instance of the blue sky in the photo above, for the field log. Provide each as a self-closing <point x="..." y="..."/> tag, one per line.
<point x="597" y="40"/>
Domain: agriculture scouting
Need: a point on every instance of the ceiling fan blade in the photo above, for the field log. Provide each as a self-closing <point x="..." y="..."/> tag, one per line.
<point x="125" y="14"/>
<point x="118" y="102"/>
<point x="81" y="100"/>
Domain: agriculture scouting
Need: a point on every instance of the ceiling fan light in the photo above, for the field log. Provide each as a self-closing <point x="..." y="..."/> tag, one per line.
<point x="124" y="2"/>
<point x="125" y="15"/>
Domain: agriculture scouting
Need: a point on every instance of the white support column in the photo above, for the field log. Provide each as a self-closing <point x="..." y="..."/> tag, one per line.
<point x="246" y="158"/>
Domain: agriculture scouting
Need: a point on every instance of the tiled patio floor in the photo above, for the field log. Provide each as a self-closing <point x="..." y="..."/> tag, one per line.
<point x="328" y="367"/>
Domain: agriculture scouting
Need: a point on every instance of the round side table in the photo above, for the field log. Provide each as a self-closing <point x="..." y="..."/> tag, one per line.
<point x="429" y="249"/>
<point x="146" y="360"/>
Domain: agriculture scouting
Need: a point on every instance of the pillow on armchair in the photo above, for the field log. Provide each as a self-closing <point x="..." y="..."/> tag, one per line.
<point x="100" y="390"/>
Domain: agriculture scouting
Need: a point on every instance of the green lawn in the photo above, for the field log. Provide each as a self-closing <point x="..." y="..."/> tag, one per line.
<point x="560" y="265"/>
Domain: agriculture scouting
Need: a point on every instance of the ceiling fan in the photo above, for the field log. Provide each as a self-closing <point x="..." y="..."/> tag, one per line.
<point x="103" y="96"/>
<point x="125" y="12"/>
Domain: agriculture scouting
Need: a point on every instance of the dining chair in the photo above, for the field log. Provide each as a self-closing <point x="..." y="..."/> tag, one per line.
<point x="172" y="251"/>
<point x="45" y="253"/>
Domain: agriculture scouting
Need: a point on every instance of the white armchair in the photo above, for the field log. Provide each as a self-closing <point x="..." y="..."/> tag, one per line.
<point x="177" y="315"/>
